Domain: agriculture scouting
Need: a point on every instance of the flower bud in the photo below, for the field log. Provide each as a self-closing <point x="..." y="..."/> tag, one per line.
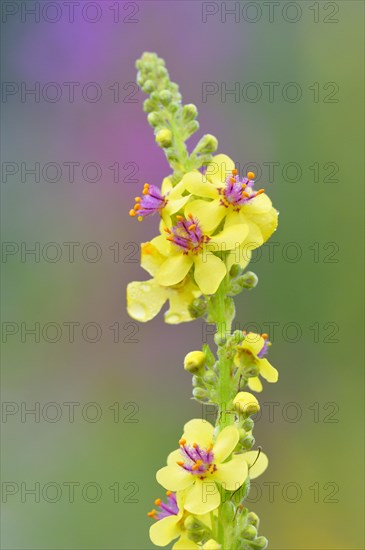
<point x="153" y="119"/>
<point x="248" y="425"/>
<point x="200" y="393"/>
<point x="164" y="137"/>
<point x="260" y="543"/>
<point x="211" y="544"/>
<point x="191" y="128"/>
<point x="253" y="519"/>
<point x="194" y="361"/>
<point x="245" y="403"/>
<point x="207" y="144"/>
<point x="196" y="381"/>
<point x="165" y="97"/>
<point x="220" y="338"/>
<point x="248" y="442"/>
<point x="235" y="270"/>
<point x="148" y="86"/>
<point x="197" y="308"/>
<point x="248" y="280"/>
<point x="195" y="528"/>
<point x="210" y="377"/>
<point x="249" y="532"/>
<point x="227" y="512"/>
<point x="189" y="112"/>
<point x="149" y="105"/>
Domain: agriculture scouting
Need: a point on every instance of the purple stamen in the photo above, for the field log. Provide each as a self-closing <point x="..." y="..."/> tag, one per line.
<point x="197" y="461"/>
<point x="187" y="234"/>
<point x="237" y="192"/>
<point x="151" y="202"/>
<point x="263" y="351"/>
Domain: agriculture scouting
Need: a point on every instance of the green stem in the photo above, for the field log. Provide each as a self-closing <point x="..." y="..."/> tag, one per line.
<point x="223" y="324"/>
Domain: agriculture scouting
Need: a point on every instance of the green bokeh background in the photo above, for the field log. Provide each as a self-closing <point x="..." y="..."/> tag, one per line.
<point x="322" y="458"/>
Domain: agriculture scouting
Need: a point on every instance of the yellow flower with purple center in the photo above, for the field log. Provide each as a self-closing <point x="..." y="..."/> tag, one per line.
<point x="146" y="298"/>
<point x="166" y="201"/>
<point x="227" y="197"/>
<point x="170" y="516"/>
<point x="250" y="356"/>
<point x="191" y="246"/>
<point x="202" y="462"/>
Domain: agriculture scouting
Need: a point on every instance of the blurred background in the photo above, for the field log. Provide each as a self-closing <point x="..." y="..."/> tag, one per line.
<point x="93" y="402"/>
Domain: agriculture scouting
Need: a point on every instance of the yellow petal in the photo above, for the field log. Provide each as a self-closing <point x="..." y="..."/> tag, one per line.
<point x="180" y="299"/>
<point x="203" y="497"/>
<point x="253" y="342"/>
<point x="174" y="269"/>
<point x="267" y="222"/>
<point x="259" y="466"/>
<point x="219" y="169"/>
<point x="198" y="185"/>
<point x="151" y="258"/>
<point x="225" y="443"/>
<point x="174" y="457"/>
<point x="209" y="272"/>
<point x="164" y="531"/>
<point x="254" y="383"/>
<point x="162" y="244"/>
<point x="166" y="186"/>
<point x="268" y="371"/>
<point x="174" y="478"/>
<point x="174" y="206"/>
<point x="184" y="543"/>
<point x="199" y="431"/>
<point x="233" y="473"/>
<point x="209" y="214"/>
<point x="145" y="299"/>
<point x="254" y="237"/>
<point x="257" y="205"/>
<point x="229" y="238"/>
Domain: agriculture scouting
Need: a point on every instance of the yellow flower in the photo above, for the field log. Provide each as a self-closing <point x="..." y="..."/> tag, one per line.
<point x="191" y="245"/>
<point x="170" y="517"/>
<point x="201" y="462"/>
<point x="251" y="354"/>
<point x="233" y="200"/>
<point x="146" y="298"/>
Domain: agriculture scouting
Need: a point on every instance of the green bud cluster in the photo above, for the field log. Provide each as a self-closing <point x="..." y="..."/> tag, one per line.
<point x="246" y="529"/>
<point x="240" y="281"/>
<point x="173" y="123"/>
<point x="202" y="365"/>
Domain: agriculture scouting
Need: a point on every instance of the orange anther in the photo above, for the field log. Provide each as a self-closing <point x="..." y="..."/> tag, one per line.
<point x="145" y="191"/>
<point x="180" y="463"/>
<point x="182" y="441"/>
<point x="260" y="191"/>
<point x="245" y="194"/>
<point x="251" y="175"/>
<point x="158" y="501"/>
<point x="132" y="213"/>
<point x="152" y="513"/>
<point x="180" y="218"/>
<point x="137" y="207"/>
<point x="137" y="199"/>
<point x="191" y="216"/>
<point x="168" y="493"/>
<point x="235" y="171"/>
<point x="232" y="180"/>
<point x="264" y="336"/>
<point x="192" y="227"/>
